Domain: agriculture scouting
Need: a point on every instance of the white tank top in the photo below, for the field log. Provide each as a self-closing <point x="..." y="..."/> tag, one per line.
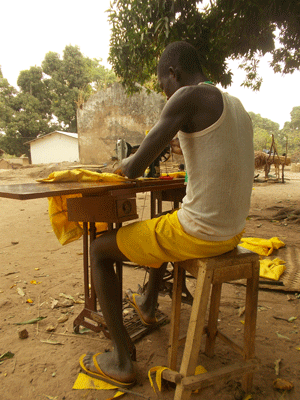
<point x="220" y="167"/>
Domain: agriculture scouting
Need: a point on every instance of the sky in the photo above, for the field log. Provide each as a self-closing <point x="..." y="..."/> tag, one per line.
<point x="30" y="29"/>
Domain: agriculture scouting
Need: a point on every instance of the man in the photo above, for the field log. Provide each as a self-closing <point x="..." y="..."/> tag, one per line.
<point x="216" y="138"/>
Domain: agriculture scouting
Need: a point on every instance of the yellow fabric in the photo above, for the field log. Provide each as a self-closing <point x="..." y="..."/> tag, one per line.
<point x="82" y="175"/>
<point x="263" y="247"/>
<point x="84" y="381"/>
<point x="159" y="370"/>
<point x="179" y="174"/>
<point x="272" y="269"/>
<point x="162" y="239"/>
<point x="66" y="231"/>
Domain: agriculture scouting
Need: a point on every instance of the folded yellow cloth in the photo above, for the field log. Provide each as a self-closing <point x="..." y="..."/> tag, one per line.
<point x="66" y="231"/>
<point x="82" y="175"/>
<point x="272" y="269"/>
<point x="263" y="247"/>
<point x="84" y="381"/>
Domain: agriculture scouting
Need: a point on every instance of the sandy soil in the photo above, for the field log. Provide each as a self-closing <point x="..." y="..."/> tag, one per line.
<point x="30" y="253"/>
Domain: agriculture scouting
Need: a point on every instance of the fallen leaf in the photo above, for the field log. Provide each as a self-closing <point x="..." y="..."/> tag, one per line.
<point x="290" y="298"/>
<point x="241" y="311"/>
<point x="277" y="363"/>
<point x="54" y="303"/>
<point x="282" y="336"/>
<point x="67" y="296"/>
<point x="261" y="308"/>
<point x="31" y="321"/>
<point x="66" y="303"/>
<point x="20" y="292"/>
<point x="34" y="282"/>
<point x="51" y="328"/>
<point x="298" y="348"/>
<point x="6" y="355"/>
<point x="13" y="286"/>
<point x="79" y="301"/>
<point x="292" y="319"/>
<point x="242" y="322"/>
<point x="51" y="342"/>
<point x="84" y="330"/>
<point x="36" y="269"/>
<point x="282" y="384"/>
<point x="62" y="319"/>
<point x="29" y="301"/>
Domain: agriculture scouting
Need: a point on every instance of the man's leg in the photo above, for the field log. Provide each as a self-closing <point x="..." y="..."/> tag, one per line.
<point x="104" y="252"/>
<point x="117" y="364"/>
<point x="147" y="302"/>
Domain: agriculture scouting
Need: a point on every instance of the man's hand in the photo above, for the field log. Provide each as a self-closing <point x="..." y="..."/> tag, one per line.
<point x="175" y="146"/>
<point x="122" y="167"/>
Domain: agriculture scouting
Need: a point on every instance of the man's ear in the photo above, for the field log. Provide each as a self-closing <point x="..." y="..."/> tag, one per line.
<point x="175" y="73"/>
<point x="172" y="72"/>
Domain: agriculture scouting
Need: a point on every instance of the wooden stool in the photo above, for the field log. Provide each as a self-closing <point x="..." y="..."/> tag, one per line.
<point x="211" y="273"/>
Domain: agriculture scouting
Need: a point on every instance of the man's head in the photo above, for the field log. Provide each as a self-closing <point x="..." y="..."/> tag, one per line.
<point x="178" y="65"/>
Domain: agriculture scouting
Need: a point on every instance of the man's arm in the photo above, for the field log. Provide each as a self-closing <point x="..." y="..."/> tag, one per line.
<point x="176" y="113"/>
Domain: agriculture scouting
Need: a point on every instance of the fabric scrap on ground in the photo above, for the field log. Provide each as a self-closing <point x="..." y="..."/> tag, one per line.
<point x="272" y="269"/>
<point x="84" y="381"/>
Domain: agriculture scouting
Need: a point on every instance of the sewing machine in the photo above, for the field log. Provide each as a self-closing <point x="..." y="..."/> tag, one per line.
<point x="124" y="150"/>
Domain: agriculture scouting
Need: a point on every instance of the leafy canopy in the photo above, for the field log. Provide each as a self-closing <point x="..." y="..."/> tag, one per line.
<point x="48" y="97"/>
<point x="238" y="29"/>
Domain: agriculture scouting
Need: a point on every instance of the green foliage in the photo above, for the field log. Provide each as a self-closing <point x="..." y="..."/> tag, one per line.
<point x="285" y="139"/>
<point x="71" y="80"/>
<point x="47" y="94"/>
<point x="291" y="130"/>
<point x="239" y="29"/>
<point x="7" y="93"/>
<point x="24" y="114"/>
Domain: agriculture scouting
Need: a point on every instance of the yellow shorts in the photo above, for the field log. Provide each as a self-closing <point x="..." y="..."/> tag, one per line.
<point x="158" y="240"/>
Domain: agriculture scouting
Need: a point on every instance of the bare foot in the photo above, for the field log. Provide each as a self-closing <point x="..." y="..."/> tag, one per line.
<point x="137" y="301"/>
<point x="111" y="366"/>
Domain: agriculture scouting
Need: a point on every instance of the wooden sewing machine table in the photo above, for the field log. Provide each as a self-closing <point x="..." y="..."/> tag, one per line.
<point x="111" y="202"/>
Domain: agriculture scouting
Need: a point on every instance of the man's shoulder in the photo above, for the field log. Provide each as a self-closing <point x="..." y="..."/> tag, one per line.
<point x="197" y="92"/>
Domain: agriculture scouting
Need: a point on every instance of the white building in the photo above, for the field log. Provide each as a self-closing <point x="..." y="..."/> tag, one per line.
<point x="54" y="147"/>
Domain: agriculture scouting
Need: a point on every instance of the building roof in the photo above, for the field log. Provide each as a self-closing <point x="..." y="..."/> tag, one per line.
<point x="73" y="135"/>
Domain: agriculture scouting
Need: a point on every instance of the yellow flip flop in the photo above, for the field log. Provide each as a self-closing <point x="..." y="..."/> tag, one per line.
<point x="135" y="306"/>
<point x="101" y="375"/>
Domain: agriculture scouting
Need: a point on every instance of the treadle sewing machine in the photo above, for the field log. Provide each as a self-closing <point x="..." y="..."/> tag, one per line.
<point x="114" y="203"/>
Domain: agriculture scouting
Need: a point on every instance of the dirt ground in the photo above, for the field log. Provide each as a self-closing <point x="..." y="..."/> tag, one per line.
<point x="35" y="266"/>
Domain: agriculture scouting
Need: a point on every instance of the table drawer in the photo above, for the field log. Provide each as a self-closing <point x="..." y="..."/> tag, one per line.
<point x="105" y="208"/>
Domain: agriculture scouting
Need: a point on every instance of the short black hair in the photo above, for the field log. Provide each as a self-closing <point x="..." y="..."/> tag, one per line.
<point x="180" y="54"/>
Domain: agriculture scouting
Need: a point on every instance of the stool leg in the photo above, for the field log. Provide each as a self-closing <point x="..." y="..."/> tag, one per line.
<point x="250" y="323"/>
<point x="195" y="330"/>
<point x="175" y="316"/>
<point x="212" y="326"/>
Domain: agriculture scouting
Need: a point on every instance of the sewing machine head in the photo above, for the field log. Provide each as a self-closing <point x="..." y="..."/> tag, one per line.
<point x="124" y="149"/>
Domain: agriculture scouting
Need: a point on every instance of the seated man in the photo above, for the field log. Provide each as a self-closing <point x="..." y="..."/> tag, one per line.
<point x="215" y="134"/>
